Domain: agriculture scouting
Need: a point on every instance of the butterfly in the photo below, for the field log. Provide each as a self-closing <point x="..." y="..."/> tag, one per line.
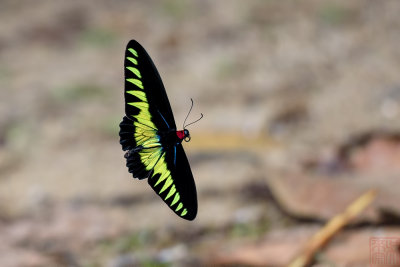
<point x="150" y="138"/>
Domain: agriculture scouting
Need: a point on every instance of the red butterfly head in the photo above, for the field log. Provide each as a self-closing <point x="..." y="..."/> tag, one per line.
<point x="183" y="135"/>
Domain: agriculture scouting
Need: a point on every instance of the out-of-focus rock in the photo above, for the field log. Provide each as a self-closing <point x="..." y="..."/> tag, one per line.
<point x="326" y="187"/>
<point x="318" y="197"/>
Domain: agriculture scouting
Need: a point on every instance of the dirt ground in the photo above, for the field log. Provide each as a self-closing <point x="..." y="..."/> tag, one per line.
<point x="301" y="116"/>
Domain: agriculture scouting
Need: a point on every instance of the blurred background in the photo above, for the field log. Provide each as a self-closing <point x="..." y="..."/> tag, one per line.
<point x="301" y="116"/>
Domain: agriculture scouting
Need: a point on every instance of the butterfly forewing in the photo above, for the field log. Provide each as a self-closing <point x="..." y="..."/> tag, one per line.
<point x="143" y="84"/>
<point x="148" y="117"/>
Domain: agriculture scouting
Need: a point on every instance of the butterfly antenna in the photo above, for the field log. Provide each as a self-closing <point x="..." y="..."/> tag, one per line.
<point x="201" y="116"/>
<point x="191" y="106"/>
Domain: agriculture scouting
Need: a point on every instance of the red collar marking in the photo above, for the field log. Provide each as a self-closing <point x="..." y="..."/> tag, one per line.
<point x="180" y="134"/>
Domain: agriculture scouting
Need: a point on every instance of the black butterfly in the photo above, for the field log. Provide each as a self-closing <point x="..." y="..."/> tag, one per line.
<point x="148" y="133"/>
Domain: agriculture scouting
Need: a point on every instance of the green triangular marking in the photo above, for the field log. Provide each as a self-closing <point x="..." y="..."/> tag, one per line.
<point x="141" y="105"/>
<point x="171" y="192"/>
<point x="164" y="175"/>
<point x="136" y="82"/>
<point x="176" y="198"/>
<point x="167" y="183"/>
<point x="135" y="71"/>
<point x="139" y="94"/>
<point x="179" y="206"/>
<point x="133" y="51"/>
<point x="184" y="212"/>
<point x="133" y="60"/>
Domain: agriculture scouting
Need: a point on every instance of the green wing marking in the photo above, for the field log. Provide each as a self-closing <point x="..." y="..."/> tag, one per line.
<point x="144" y="116"/>
<point x="165" y="183"/>
<point x="135" y="71"/>
<point x="151" y="155"/>
<point x="133" y="51"/>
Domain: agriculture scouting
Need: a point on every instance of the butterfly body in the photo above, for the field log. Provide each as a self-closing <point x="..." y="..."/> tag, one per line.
<point x="168" y="139"/>
<point x="172" y="137"/>
<point x="148" y="134"/>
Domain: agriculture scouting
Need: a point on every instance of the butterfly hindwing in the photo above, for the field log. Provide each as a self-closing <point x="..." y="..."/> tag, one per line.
<point x="148" y="117"/>
<point x="140" y="141"/>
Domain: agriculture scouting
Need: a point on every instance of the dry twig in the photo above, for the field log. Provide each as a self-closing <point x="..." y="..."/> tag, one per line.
<point x="321" y="238"/>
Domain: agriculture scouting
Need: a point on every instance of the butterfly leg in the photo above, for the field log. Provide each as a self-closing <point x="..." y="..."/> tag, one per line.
<point x="132" y="151"/>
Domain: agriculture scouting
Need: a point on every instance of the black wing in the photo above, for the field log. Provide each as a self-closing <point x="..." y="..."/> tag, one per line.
<point x="149" y="113"/>
<point x="141" y="73"/>
<point x="174" y="183"/>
